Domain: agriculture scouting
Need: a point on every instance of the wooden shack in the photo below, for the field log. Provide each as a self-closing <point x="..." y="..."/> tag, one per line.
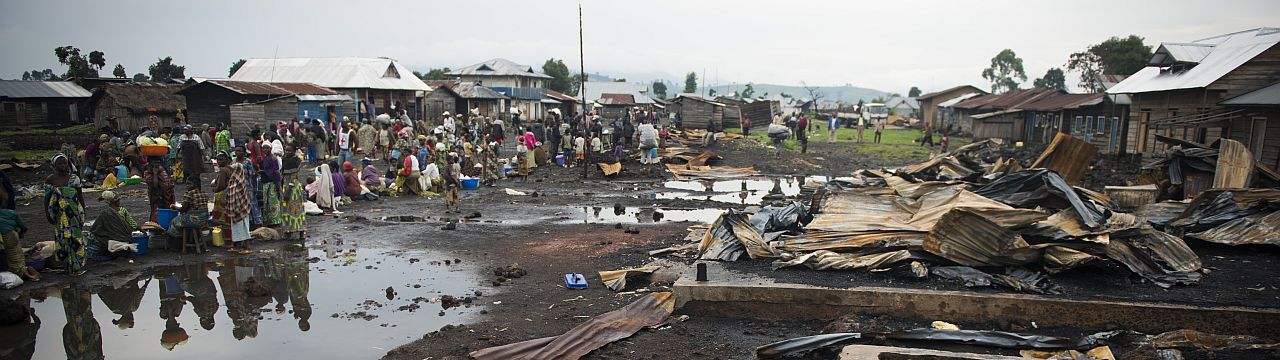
<point x="26" y="104"/>
<point x="130" y="106"/>
<point x="695" y="112"/>
<point x="209" y="101"/>
<point x="441" y="99"/>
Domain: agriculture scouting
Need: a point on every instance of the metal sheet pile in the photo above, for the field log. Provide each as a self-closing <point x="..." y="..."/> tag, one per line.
<point x="991" y="223"/>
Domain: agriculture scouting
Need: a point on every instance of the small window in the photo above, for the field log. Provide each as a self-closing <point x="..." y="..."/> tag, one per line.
<point x="1079" y="123"/>
<point x="1088" y="124"/>
<point x="391" y="72"/>
<point x="10" y="107"/>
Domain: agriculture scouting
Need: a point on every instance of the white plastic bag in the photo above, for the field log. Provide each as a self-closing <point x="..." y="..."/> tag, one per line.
<point x="9" y="280"/>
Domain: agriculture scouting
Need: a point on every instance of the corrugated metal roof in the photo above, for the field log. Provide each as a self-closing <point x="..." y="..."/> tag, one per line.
<point x="1007" y="100"/>
<point x="936" y="93"/>
<point x="1173" y="53"/>
<point x="639" y="92"/>
<point x="1057" y="102"/>
<point x="18" y="89"/>
<point x="616" y="99"/>
<point x="473" y="91"/>
<point x="272" y="88"/>
<point x="561" y="96"/>
<point x="958" y="99"/>
<point x="324" y="97"/>
<point x="1269" y="96"/>
<point x="334" y="73"/>
<point x="1229" y="52"/>
<point x="498" y="67"/>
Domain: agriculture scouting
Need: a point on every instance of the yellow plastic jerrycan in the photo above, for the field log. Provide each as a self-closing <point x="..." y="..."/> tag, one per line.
<point x="217" y="236"/>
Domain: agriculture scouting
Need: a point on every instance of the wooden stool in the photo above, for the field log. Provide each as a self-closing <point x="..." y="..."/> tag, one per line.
<point x="191" y="240"/>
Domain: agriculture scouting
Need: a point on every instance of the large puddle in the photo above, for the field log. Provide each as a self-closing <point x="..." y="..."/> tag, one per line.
<point x="333" y="306"/>
<point x="742" y="192"/>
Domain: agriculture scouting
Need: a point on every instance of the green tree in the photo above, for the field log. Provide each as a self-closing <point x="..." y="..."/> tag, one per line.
<point x="1005" y="72"/>
<point x="434" y="74"/>
<point x="1115" y="56"/>
<point x="711" y="92"/>
<point x="80" y="66"/>
<point x="1053" y="79"/>
<point x="914" y="92"/>
<point x="748" y="91"/>
<point x="559" y="73"/>
<point x="165" y="69"/>
<point x="235" y="66"/>
<point x="659" y="89"/>
<point x="119" y="71"/>
<point x="140" y="77"/>
<point x="691" y="83"/>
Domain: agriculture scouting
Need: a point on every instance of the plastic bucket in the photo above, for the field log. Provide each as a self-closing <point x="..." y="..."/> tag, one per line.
<point x="143" y="241"/>
<point x="470" y="183"/>
<point x="122" y="172"/>
<point x="164" y="217"/>
<point x="560" y="160"/>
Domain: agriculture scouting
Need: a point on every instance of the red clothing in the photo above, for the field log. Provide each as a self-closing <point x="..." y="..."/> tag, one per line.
<point x="352" y="183"/>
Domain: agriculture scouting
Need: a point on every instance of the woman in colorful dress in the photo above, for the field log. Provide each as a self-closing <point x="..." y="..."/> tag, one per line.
<point x="64" y="208"/>
<point x="231" y="201"/>
<point x="251" y="185"/>
<point x="294" y="197"/>
<point x="270" y="188"/>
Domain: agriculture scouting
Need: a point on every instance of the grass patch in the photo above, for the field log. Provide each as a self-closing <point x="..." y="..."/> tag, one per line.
<point x="28" y="155"/>
<point x="897" y="146"/>
<point x="82" y="129"/>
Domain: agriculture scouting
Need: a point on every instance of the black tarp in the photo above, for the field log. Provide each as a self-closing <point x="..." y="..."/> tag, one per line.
<point x="1029" y="189"/>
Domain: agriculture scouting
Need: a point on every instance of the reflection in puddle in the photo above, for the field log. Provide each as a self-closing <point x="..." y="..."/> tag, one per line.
<point x="245" y="308"/>
<point x="745" y="192"/>
<point x="639" y="215"/>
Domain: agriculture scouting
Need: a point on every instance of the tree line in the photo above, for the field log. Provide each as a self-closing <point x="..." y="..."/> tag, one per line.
<point x="1114" y="56"/>
<point x="80" y="65"/>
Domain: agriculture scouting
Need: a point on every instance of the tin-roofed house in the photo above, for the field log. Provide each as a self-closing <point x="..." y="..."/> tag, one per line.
<point x="523" y="86"/>
<point x="132" y="106"/>
<point x="25" y="104"/>
<point x="1203" y="90"/>
<point x="929" y="103"/>
<point x="441" y="99"/>
<point x="481" y="100"/>
<point x="376" y="85"/>
<point x="211" y="101"/>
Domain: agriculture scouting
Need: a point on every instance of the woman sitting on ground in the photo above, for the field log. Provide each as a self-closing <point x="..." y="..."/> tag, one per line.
<point x="111" y="229"/>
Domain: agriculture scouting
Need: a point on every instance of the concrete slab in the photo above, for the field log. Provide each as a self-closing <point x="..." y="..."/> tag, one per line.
<point x="873" y="352"/>
<point x="767" y="300"/>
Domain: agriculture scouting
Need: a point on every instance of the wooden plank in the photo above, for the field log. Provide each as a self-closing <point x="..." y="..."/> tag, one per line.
<point x="1235" y="164"/>
<point x="1068" y="155"/>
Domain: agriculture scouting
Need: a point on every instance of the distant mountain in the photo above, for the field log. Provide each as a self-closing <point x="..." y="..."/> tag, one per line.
<point x="845" y="94"/>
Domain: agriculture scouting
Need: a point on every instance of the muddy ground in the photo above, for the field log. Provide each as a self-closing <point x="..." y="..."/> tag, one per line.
<point x="554" y="231"/>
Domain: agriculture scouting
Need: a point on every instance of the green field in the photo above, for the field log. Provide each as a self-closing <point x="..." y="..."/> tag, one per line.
<point x="897" y="146"/>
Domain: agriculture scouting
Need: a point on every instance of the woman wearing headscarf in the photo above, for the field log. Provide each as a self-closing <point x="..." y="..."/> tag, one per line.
<point x="231" y="200"/>
<point x="192" y="148"/>
<point x="324" y="188"/>
<point x="159" y="187"/>
<point x="64" y="208"/>
<point x="113" y="224"/>
<point x="270" y="188"/>
<point x="293" y="197"/>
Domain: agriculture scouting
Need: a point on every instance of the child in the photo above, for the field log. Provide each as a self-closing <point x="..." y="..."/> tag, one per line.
<point x="12" y="230"/>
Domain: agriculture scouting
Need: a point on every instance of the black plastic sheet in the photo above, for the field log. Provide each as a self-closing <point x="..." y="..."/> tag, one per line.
<point x="1018" y="279"/>
<point x="1041" y="188"/>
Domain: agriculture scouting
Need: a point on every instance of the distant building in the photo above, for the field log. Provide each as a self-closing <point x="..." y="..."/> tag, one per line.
<point x="41" y="103"/>
<point x="1218" y="87"/>
<point x="483" y="100"/>
<point x="902" y="106"/>
<point x="212" y="101"/>
<point x="928" y="103"/>
<point x="1034" y="116"/>
<point x="524" y="86"/>
<point x="376" y="85"/>
<point x="441" y="99"/>
<point x="132" y="106"/>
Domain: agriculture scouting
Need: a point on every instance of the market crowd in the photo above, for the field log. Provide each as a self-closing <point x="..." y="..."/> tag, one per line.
<point x="238" y="181"/>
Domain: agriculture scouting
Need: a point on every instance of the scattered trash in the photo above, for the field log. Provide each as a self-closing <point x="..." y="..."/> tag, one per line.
<point x="575" y="281"/>
<point x="514" y="192"/>
<point x="943" y="325"/>
<point x="616" y="280"/>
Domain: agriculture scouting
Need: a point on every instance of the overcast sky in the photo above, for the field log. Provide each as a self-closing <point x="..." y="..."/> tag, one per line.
<point x="885" y="45"/>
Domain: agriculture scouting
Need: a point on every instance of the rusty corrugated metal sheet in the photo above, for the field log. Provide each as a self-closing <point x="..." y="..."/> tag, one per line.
<point x="601" y="330"/>
<point x="827" y="260"/>
<point x="852" y="240"/>
<point x="934" y="205"/>
<point x="730" y="236"/>
<point x="1068" y="155"/>
<point x="1157" y="256"/>
<point x="688" y="172"/>
<point x="272" y="88"/>
<point x="616" y="280"/>
<point x="1235" y="164"/>
<point x="1254" y="229"/>
<point x="971" y="240"/>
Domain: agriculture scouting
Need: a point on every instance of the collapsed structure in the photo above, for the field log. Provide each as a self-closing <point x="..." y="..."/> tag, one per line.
<point x="978" y="217"/>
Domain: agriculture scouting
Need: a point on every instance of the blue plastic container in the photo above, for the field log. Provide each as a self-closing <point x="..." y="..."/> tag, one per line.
<point x="470" y="184"/>
<point x="164" y="217"/>
<point x="575" y="281"/>
<point x="122" y="172"/>
<point x="560" y="160"/>
<point x="142" y="241"/>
